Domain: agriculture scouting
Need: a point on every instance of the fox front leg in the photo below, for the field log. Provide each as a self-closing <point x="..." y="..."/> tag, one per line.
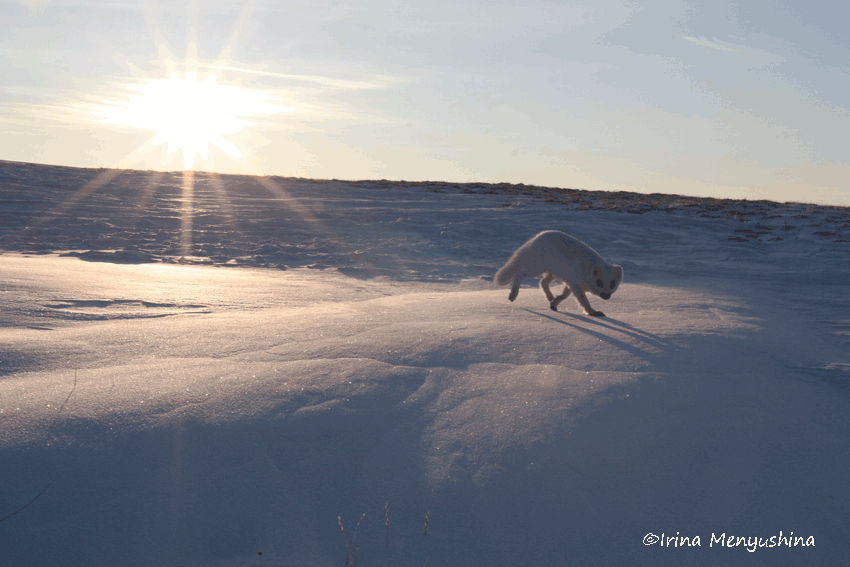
<point x="585" y="304"/>
<point x="555" y="301"/>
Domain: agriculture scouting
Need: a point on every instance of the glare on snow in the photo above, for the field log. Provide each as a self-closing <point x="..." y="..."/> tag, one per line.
<point x="189" y="114"/>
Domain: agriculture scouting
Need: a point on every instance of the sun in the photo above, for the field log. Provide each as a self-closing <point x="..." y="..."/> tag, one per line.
<point x="189" y="114"/>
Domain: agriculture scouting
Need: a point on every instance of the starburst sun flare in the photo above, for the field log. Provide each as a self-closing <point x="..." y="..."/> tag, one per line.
<point x="189" y="114"/>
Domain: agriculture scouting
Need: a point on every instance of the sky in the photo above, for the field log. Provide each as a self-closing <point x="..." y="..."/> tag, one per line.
<point x="714" y="99"/>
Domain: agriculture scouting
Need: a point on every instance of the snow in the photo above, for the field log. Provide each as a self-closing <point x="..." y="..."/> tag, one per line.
<point x="322" y="348"/>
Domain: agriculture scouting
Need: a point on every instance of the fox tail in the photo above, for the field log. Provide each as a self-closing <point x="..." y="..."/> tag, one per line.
<point x="507" y="272"/>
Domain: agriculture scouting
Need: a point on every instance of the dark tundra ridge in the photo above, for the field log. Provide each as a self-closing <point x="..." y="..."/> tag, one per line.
<point x="141" y="216"/>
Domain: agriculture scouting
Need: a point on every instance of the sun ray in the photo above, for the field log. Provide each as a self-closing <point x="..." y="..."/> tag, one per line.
<point x="230" y="43"/>
<point x="279" y="191"/>
<point x="185" y="113"/>
<point x="188" y="114"/>
<point x="226" y="204"/>
<point x="187" y="213"/>
<point x="149" y="190"/>
<point x="60" y="209"/>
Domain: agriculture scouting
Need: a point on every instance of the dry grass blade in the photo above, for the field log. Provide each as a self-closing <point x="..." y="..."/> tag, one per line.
<point x="31" y="501"/>
<point x="352" y="555"/>
<point x="54" y="480"/>
<point x="69" y="395"/>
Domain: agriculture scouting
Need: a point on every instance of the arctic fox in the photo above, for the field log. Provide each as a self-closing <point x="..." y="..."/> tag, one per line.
<point x="560" y="256"/>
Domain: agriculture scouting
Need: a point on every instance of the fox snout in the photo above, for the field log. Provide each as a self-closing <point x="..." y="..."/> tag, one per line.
<point x="604" y="295"/>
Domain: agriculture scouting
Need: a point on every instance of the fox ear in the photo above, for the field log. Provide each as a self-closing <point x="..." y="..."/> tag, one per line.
<point x="620" y="271"/>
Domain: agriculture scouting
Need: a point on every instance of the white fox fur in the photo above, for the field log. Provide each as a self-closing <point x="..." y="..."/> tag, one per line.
<point x="559" y="256"/>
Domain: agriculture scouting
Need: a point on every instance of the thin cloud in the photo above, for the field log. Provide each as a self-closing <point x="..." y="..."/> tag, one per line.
<point x="757" y="55"/>
<point x="327" y="81"/>
<point x="705" y="43"/>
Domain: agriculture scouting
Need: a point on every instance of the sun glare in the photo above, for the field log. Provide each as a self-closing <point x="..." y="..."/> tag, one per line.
<point x="189" y="114"/>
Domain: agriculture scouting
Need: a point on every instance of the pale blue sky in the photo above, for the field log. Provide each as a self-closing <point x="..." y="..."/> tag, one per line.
<point x="701" y="98"/>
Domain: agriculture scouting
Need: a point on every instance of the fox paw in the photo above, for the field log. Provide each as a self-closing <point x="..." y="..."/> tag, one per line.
<point x="553" y="307"/>
<point x="597" y="314"/>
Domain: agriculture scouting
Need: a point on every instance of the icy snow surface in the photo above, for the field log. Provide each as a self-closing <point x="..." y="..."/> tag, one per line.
<point x="200" y="387"/>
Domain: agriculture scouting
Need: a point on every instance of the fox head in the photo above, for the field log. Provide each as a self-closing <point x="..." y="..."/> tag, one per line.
<point x="606" y="279"/>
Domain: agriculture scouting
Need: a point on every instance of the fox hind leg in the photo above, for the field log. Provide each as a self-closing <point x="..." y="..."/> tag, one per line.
<point x="555" y="301"/>
<point x="544" y="285"/>
<point x="515" y="288"/>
